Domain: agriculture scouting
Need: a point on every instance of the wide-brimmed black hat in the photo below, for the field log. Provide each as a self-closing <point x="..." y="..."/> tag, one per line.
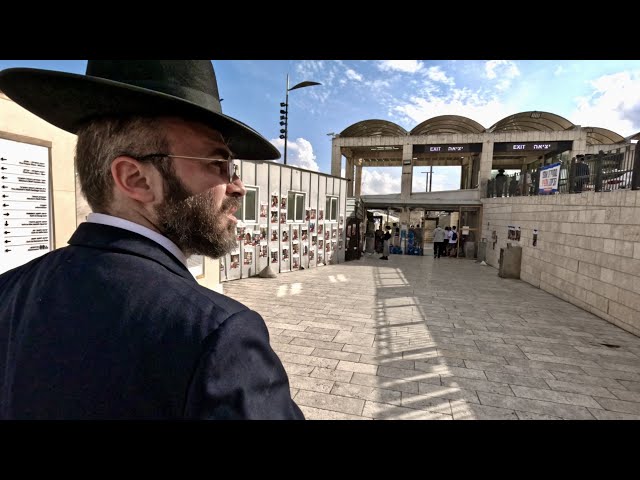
<point x="185" y="88"/>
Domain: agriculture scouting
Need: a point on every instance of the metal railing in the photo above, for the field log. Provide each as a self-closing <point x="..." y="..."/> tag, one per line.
<point x="617" y="169"/>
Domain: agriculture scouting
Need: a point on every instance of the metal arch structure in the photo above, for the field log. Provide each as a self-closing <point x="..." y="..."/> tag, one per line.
<point x="520" y="141"/>
<point x="447" y="124"/>
<point x="374" y="128"/>
<point x="531" y="121"/>
<point x="602" y="136"/>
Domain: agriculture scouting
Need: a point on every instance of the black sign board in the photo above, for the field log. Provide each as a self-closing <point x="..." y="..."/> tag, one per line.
<point x="542" y="147"/>
<point x="452" y="148"/>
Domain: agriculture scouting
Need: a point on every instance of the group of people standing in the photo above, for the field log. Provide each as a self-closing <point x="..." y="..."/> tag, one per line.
<point x="445" y="242"/>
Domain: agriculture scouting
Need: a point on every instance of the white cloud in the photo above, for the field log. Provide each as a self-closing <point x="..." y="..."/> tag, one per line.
<point x="502" y="70"/>
<point x="484" y="109"/>
<point x="379" y="181"/>
<point x="299" y="153"/>
<point x="614" y="104"/>
<point x="406" y="66"/>
<point x="438" y="75"/>
<point x="353" y="75"/>
<point x="378" y="85"/>
<point x="560" y="70"/>
<point x="444" y="178"/>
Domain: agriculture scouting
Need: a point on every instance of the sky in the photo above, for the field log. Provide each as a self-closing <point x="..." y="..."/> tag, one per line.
<point x="596" y="93"/>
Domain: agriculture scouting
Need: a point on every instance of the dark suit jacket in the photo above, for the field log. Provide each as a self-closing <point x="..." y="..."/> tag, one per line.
<point x="115" y="327"/>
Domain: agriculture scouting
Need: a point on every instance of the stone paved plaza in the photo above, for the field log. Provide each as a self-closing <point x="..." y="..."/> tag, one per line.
<point x="423" y="338"/>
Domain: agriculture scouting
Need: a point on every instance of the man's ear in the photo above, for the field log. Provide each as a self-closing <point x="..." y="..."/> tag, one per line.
<point x="134" y="179"/>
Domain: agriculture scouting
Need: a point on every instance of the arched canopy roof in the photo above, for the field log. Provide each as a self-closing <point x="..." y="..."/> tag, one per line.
<point x="447" y="124"/>
<point x="635" y="136"/>
<point x="374" y="128"/>
<point x="531" y="121"/>
<point x="602" y="136"/>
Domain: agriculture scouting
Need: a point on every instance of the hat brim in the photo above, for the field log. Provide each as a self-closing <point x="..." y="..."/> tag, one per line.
<point x="66" y="100"/>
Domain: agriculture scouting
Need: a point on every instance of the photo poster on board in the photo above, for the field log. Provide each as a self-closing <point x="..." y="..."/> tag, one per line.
<point x="263" y="211"/>
<point x="248" y="237"/>
<point x="275" y="205"/>
<point x="549" y="179"/>
<point x="274" y="255"/>
<point x="235" y="261"/>
<point x="283" y="204"/>
<point x="240" y="232"/>
<point x="248" y="256"/>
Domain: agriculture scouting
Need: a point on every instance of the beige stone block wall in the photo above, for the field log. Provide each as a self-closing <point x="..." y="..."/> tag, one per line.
<point x="68" y="204"/>
<point x="18" y="124"/>
<point x="588" y="249"/>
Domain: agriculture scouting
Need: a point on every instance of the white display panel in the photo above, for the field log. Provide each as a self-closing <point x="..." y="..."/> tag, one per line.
<point x="25" y="206"/>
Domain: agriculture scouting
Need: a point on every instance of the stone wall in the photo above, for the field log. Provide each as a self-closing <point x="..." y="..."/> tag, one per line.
<point x="587" y="252"/>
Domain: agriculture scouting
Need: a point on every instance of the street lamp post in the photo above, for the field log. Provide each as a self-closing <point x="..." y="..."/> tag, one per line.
<point x="284" y="114"/>
<point x="429" y="178"/>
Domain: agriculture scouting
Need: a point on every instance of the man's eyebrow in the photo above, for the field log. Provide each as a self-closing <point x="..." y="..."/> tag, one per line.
<point x="223" y="152"/>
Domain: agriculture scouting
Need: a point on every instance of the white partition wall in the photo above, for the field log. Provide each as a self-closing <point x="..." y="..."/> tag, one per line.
<point x="262" y="250"/>
<point x="283" y="212"/>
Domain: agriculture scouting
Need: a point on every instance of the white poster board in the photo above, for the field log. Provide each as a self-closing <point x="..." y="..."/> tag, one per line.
<point x="25" y="196"/>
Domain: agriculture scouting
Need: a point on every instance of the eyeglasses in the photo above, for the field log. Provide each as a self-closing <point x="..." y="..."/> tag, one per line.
<point x="226" y="164"/>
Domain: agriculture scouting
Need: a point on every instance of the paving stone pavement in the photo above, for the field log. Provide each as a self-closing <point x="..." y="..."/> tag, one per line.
<point x="441" y="339"/>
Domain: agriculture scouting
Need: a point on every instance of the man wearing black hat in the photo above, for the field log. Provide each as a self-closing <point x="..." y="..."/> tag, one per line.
<point x="114" y="326"/>
<point x="582" y="174"/>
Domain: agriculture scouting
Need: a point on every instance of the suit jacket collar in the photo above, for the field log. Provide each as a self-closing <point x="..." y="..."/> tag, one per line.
<point x="106" y="237"/>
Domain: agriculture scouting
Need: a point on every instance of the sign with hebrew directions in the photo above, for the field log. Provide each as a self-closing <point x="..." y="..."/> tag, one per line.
<point x="25" y="201"/>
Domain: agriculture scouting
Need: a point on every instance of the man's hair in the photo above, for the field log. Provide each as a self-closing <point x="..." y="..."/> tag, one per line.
<point x="101" y="140"/>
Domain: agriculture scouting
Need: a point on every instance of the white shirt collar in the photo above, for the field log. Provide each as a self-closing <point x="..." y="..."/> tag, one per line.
<point x="139" y="229"/>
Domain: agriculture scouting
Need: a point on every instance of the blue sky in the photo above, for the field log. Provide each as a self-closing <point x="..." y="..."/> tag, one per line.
<point x="598" y="93"/>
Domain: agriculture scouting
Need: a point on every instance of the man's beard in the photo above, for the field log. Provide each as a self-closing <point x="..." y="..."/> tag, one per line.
<point x="193" y="223"/>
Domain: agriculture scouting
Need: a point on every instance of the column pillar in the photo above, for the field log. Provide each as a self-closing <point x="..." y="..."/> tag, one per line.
<point x="407" y="171"/>
<point x="349" y="175"/>
<point x="336" y="158"/>
<point x="358" y="182"/>
<point x="486" y="162"/>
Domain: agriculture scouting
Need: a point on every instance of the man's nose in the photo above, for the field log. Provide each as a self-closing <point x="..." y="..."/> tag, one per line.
<point x="236" y="188"/>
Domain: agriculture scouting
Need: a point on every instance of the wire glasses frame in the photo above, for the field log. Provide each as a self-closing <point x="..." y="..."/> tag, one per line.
<point x="229" y="163"/>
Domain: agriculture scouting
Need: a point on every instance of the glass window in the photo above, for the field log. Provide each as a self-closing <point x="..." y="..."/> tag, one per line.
<point x="332" y="209"/>
<point x="295" y="207"/>
<point x="250" y="207"/>
<point x="248" y="210"/>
